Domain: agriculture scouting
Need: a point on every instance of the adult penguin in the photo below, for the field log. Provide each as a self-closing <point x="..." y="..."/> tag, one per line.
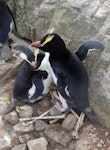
<point x="6" y="24"/>
<point x="69" y="73"/>
<point x="32" y="81"/>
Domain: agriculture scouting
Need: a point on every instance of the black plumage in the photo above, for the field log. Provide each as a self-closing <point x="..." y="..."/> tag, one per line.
<point x="32" y="81"/>
<point x="87" y="46"/>
<point x="69" y="73"/>
<point x="6" y="21"/>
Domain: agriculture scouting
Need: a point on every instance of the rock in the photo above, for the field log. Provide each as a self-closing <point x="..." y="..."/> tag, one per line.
<point x="4" y="100"/>
<point x="69" y="122"/>
<point x="25" y="111"/>
<point x="24" y="138"/>
<point x="4" y="145"/>
<point x="91" y="138"/>
<point x="37" y="144"/>
<point x="54" y="112"/>
<point x="14" y="139"/>
<point x="7" y="55"/>
<point x="99" y="92"/>
<point x="19" y="147"/>
<point x="7" y="141"/>
<point x="23" y="128"/>
<point x="3" y="108"/>
<point x="12" y="118"/>
<point x="40" y="125"/>
<point x="57" y="134"/>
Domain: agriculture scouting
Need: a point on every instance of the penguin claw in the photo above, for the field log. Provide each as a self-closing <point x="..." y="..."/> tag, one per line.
<point x="10" y="107"/>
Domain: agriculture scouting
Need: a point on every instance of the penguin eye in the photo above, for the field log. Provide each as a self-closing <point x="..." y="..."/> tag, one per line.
<point x="48" y="39"/>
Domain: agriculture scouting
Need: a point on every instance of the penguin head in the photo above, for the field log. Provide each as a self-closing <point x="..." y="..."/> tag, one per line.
<point x="28" y="55"/>
<point x="50" y="43"/>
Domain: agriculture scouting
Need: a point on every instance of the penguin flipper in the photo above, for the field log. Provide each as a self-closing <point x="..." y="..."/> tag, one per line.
<point x="37" y="81"/>
<point x="86" y="46"/>
<point x="26" y="50"/>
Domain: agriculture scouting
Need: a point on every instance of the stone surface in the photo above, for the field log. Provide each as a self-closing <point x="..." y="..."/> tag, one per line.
<point x="57" y="134"/>
<point x="38" y="144"/>
<point x="25" y="111"/>
<point x="19" y="147"/>
<point x="90" y="139"/>
<point x="12" y="118"/>
<point x="40" y="125"/>
<point x="23" y="128"/>
<point x="69" y="122"/>
<point x="54" y="112"/>
<point x="24" y="138"/>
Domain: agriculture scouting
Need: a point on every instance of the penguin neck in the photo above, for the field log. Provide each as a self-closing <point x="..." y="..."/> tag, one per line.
<point x="59" y="55"/>
<point x="27" y="70"/>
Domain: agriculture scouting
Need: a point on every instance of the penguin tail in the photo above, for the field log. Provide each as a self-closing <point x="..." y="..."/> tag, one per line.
<point x="91" y="115"/>
<point x="86" y="47"/>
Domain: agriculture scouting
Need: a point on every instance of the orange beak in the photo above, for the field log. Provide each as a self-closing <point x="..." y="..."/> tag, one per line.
<point x="36" y="44"/>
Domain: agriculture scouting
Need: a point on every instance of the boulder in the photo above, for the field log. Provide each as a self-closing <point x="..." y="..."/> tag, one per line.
<point x="38" y="144"/>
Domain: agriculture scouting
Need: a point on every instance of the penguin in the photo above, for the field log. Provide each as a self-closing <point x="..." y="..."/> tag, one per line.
<point x="32" y="81"/>
<point x="68" y="72"/>
<point x="6" y="24"/>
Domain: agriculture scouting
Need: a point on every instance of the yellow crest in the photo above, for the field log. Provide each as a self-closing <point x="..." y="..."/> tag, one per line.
<point x="48" y="39"/>
<point x="36" y="52"/>
<point x="23" y="56"/>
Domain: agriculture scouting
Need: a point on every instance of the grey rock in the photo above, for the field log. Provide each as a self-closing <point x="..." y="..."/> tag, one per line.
<point x="69" y="122"/>
<point x="58" y="134"/>
<point x="7" y="139"/>
<point x="40" y="125"/>
<point x="12" y="118"/>
<point x="23" y="128"/>
<point x="7" y="55"/>
<point x="54" y="112"/>
<point x="19" y="147"/>
<point x="25" y="111"/>
<point x="38" y="144"/>
<point x="4" y="145"/>
<point x="24" y="138"/>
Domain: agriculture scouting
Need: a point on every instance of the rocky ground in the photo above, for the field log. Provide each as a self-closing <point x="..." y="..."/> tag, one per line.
<point x="45" y="133"/>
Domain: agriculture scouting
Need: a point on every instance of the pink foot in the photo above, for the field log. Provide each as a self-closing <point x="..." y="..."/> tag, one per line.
<point x="59" y="106"/>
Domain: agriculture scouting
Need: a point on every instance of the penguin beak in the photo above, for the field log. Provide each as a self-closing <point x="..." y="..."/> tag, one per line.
<point x="33" y="64"/>
<point x="36" y="44"/>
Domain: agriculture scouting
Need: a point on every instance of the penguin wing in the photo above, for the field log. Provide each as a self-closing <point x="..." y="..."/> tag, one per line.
<point x="26" y="50"/>
<point x="62" y="86"/>
<point x="38" y="83"/>
<point x="62" y="82"/>
<point x="86" y="46"/>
